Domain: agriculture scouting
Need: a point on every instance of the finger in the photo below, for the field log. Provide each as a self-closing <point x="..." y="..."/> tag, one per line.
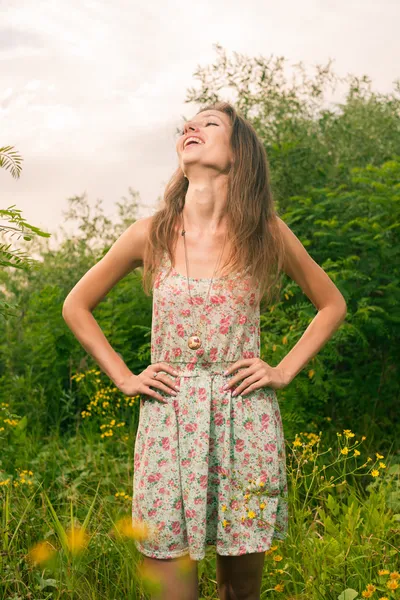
<point x="244" y="362"/>
<point x="232" y="382"/>
<point x="173" y="384"/>
<point x="263" y="382"/>
<point x="168" y="368"/>
<point x="149" y="392"/>
<point x="156" y="382"/>
<point x="247" y="382"/>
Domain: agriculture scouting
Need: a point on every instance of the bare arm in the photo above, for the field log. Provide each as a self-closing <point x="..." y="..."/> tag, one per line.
<point x="322" y="292"/>
<point x="124" y="255"/>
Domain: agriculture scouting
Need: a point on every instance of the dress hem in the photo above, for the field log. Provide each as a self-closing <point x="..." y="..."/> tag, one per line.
<point x="180" y="553"/>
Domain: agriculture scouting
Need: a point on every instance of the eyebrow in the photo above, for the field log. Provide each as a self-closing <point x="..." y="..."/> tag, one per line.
<point x="210" y="115"/>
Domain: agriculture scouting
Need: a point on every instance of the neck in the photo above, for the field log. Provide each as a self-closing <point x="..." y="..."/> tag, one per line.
<point x="204" y="212"/>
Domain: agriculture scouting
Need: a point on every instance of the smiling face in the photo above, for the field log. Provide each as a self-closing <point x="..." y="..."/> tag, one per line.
<point x="204" y="143"/>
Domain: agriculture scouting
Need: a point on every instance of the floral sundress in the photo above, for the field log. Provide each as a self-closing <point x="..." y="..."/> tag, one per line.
<point x="209" y="467"/>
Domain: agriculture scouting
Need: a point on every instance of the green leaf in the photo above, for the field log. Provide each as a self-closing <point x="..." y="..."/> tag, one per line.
<point x="348" y="594"/>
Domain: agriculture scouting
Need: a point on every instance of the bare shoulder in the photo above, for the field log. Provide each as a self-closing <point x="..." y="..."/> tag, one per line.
<point x="302" y="268"/>
<point x="125" y="255"/>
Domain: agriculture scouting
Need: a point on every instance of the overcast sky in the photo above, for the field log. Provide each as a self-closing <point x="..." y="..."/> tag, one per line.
<point x="91" y="91"/>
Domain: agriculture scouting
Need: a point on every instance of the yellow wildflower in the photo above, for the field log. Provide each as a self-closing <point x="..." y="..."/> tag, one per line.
<point x="348" y="433"/>
<point x="366" y="594"/>
<point x="379" y="455"/>
<point x="277" y="557"/>
<point x="345" y="450"/>
<point x="40" y="552"/>
<point x="311" y="373"/>
<point x="371" y="587"/>
<point x="374" y="473"/>
<point x="363" y="438"/>
<point x="356" y="453"/>
<point x="297" y="442"/>
<point x="77" y="539"/>
<point x="392" y="584"/>
<point x="382" y="465"/>
<point x="284" y="339"/>
<point x="383" y="572"/>
<point x="136" y="529"/>
<point x="394" y="575"/>
<point x="279" y="587"/>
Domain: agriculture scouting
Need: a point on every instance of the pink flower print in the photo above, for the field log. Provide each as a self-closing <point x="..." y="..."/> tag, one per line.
<point x="224" y="329"/>
<point x="197" y="300"/>
<point x="168" y="421"/>
<point x="192" y="477"/>
<point x="203" y="481"/>
<point x="180" y="330"/>
<point x="264" y="421"/>
<point x="239" y="445"/>
<point x="165" y="443"/>
<point x="269" y="447"/>
<point x="176" y="527"/>
<point x="178" y="504"/>
<point x="200" y="352"/>
<point x="158" y="341"/>
<point x="185" y="312"/>
<point x="162" y="462"/>
<point x="252" y="299"/>
<point x="198" y="500"/>
<point x="152" y="512"/>
<point x="173" y="547"/>
<point x="185" y="462"/>
<point x="160" y="525"/>
<point x="213" y="354"/>
<point x="190" y="513"/>
<point x="242" y="319"/>
<point x="177" y="351"/>
<point x="219" y="419"/>
<point x="218" y="299"/>
<point x="191" y="427"/>
<point x="234" y="505"/>
<point x="248" y="425"/>
<point x="246" y="459"/>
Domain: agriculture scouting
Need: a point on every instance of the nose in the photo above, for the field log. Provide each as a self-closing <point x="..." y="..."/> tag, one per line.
<point x="190" y="125"/>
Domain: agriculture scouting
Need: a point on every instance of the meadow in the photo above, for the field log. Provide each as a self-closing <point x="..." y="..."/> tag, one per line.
<point x="67" y="434"/>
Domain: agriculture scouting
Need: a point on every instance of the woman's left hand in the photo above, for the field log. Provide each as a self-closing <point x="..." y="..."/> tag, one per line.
<point x="258" y="374"/>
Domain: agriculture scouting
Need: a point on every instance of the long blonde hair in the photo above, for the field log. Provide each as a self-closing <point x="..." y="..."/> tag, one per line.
<point x="252" y="221"/>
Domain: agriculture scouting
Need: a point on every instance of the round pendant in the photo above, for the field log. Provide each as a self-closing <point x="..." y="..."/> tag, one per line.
<point x="194" y="342"/>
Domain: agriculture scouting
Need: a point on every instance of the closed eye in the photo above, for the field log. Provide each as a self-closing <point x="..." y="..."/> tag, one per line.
<point x="182" y="131"/>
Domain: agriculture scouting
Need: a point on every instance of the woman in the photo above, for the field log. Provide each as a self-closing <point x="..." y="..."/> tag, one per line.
<point x="210" y="429"/>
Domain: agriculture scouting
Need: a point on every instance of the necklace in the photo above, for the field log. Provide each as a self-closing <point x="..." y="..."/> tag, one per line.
<point x="194" y="341"/>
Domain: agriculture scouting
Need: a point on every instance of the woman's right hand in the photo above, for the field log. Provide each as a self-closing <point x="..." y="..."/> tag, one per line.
<point x="140" y="384"/>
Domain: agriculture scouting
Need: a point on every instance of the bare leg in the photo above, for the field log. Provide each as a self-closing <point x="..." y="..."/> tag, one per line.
<point x="240" y="577"/>
<point x="178" y="577"/>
